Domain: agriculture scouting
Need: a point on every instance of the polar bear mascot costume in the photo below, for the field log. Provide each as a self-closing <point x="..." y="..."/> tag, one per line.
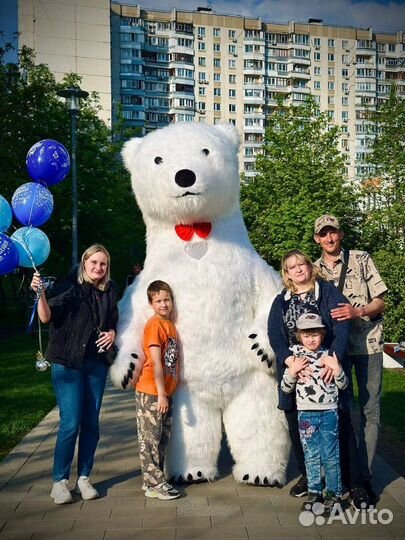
<point x="186" y="182"/>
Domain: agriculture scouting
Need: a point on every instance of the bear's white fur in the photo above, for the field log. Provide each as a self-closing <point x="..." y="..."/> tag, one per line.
<point x="223" y="291"/>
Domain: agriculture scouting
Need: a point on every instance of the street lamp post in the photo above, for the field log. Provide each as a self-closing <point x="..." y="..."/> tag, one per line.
<point x="72" y="96"/>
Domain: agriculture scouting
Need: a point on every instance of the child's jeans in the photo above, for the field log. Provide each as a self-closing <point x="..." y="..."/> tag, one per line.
<point x="319" y="434"/>
<point x="153" y="435"/>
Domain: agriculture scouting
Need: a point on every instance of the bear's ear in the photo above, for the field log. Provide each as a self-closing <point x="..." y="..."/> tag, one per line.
<point x="230" y="132"/>
<point x="129" y="150"/>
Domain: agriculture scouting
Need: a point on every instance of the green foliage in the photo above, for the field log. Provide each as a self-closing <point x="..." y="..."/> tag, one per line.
<point x="300" y="177"/>
<point x="392" y="269"/>
<point x="30" y="111"/>
<point x="384" y="225"/>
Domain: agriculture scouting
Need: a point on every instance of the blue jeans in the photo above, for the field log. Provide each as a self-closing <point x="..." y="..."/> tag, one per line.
<point x="369" y="374"/>
<point x="79" y="394"/>
<point x="319" y="434"/>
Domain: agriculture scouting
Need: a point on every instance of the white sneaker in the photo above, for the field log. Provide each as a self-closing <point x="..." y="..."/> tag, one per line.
<point x="60" y="493"/>
<point x="163" y="491"/>
<point x="85" y="489"/>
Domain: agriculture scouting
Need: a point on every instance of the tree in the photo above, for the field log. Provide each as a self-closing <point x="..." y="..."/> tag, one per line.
<point x="300" y="177"/>
<point x="384" y="220"/>
<point x="30" y="111"/>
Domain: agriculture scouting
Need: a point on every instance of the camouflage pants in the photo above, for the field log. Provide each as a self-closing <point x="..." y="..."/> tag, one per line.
<point x="153" y="436"/>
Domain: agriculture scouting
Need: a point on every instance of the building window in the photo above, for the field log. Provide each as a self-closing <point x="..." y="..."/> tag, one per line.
<point x="331" y="42"/>
<point x="202" y="91"/>
<point x="331" y="100"/>
<point x="201" y="61"/>
<point x="232" y="79"/>
<point x="331" y="57"/>
<point x="217" y="47"/>
<point x="345" y="100"/>
<point x="317" y="42"/>
<point x="201" y="31"/>
<point x="317" y="85"/>
<point x="331" y="71"/>
<point x="232" y="49"/>
<point x="231" y="34"/>
<point x="201" y="45"/>
<point x="217" y="106"/>
<point x="217" y="62"/>
<point x="317" y="70"/>
<point x="232" y="93"/>
<point x="217" y="91"/>
<point x="217" y="77"/>
<point x="216" y="32"/>
<point x="331" y="85"/>
<point x="232" y="64"/>
<point x="317" y="56"/>
<point x="232" y="108"/>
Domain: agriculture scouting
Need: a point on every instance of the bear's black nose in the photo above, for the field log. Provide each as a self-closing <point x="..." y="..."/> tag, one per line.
<point x="184" y="178"/>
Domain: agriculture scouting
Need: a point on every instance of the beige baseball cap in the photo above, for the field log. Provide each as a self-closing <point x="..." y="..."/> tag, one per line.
<point x="309" y="321"/>
<point x="326" y="220"/>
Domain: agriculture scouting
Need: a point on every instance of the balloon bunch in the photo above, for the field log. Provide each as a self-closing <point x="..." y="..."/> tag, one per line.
<point x="48" y="163"/>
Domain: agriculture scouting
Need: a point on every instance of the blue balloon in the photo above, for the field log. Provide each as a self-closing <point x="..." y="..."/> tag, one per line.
<point x="48" y="162"/>
<point x="6" y="214"/>
<point x="33" y="246"/>
<point x="32" y="204"/>
<point x="8" y="255"/>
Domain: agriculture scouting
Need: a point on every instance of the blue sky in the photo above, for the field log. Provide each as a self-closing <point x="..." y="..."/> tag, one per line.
<point x="381" y="15"/>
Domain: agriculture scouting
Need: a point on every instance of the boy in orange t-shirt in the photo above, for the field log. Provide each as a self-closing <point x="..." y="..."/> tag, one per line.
<point x="155" y="386"/>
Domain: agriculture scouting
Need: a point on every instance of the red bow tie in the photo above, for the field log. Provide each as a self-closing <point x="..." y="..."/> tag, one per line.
<point x="185" y="232"/>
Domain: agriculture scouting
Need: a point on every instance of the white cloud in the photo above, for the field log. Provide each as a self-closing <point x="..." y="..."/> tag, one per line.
<point x="382" y="18"/>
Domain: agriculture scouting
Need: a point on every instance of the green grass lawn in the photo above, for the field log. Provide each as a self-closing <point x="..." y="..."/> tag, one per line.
<point x="26" y="395"/>
<point x="392" y="405"/>
<point x="393" y="402"/>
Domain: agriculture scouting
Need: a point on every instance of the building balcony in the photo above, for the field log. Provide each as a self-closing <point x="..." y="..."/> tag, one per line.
<point x="300" y="60"/>
<point x="253" y="99"/>
<point x="253" y="71"/>
<point x="366" y="51"/>
<point x="253" y="129"/>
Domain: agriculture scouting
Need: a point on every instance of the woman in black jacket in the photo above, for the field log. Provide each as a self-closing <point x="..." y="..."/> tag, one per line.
<point x="83" y="318"/>
<point x="303" y="293"/>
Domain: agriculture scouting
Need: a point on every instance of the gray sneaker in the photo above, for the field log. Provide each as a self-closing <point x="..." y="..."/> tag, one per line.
<point x="60" y="493"/>
<point x="163" y="491"/>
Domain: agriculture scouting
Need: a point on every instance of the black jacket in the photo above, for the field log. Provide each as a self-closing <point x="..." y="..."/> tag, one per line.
<point x="336" y="339"/>
<point x="72" y="321"/>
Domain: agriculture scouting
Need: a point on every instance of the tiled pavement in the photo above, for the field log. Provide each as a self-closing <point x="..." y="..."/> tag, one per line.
<point x="221" y="510"/>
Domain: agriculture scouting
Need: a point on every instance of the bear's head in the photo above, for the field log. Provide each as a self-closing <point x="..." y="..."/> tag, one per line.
<point x="185" y="172"/>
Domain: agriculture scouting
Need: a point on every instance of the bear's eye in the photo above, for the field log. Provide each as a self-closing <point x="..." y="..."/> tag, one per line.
<point x="158" y="160"/>
<point x="205" y="151"/>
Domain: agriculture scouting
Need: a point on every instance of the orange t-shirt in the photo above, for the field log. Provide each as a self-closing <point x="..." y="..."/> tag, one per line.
<point x="160" y="332"/>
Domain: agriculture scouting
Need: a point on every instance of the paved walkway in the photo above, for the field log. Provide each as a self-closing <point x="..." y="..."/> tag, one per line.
<point x="221" y="510"/>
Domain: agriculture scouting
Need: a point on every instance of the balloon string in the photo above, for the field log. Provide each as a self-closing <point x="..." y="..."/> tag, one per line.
<point x="39" y="336"/>
<point x="28" y="251"/>
<point x="34" y="309"/>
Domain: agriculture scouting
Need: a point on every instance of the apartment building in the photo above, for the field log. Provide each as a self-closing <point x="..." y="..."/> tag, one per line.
<point x="71" y="36"/>
<point x="200" y="66"/>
